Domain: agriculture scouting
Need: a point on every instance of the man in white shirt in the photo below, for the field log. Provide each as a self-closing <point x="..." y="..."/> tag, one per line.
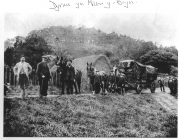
<point x="22" y="70"/>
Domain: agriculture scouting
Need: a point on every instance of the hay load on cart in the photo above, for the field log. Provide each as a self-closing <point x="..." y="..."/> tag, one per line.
<point x="138" y="75"/>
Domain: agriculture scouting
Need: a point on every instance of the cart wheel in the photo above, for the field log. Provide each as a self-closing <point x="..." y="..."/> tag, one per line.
<point x="152" y="87"/>
<point x="139" y="89"/>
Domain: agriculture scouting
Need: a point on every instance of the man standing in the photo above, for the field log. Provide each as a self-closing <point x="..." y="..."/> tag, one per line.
<point x="43" y="75"/>
<point x="97" y="82"/>
<point x="22" y="70"/>
<point x="70" y="78"/>
<point x="161" y="84"/>
<point x="63" y="66"/>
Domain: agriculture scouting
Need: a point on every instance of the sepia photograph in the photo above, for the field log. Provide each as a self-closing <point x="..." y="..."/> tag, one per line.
<point x="105" y="75"/>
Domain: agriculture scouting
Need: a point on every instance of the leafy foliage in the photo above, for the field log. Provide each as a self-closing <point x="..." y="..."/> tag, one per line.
<point x="174" y="71"/>
<point x="160" y="59"/>
<point x="9" y="56"/>
<point x="33" y="47"/>
<point x="71" y="42"/>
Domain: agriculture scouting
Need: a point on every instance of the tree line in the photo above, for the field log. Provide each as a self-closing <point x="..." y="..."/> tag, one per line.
<point x="74" y="42"/>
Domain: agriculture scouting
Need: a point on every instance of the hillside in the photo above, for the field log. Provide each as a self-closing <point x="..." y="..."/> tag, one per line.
<point x="71" y="42"/>
<point x="83" y="41"/>
<point x="113" y="115"/>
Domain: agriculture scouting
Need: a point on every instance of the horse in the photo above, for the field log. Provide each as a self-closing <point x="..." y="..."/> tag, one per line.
<point x="120" y="80"/>
<point x="91" y="75"/>
<point x="62" y="69"/>
<point x="78" y="75"/>
<point x="103" y="82"/>
<point x="52" y="61"/>
<point x="111" y="82"/>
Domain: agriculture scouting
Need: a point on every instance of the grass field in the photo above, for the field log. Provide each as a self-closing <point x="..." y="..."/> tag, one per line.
<point x="113" y="115"/>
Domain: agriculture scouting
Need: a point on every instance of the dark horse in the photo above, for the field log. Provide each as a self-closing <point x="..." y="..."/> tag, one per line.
<point x="78" y="76"/>
<point x="120" y="80"/>
<point x="62" y="69"/>
<point x="91" y="75"/>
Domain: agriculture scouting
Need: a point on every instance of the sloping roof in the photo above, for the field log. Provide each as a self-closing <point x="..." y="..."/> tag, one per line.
<point x="81" y="63"/>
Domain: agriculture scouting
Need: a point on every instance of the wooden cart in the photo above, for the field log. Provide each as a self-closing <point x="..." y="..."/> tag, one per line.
<point x="138" y="75"/>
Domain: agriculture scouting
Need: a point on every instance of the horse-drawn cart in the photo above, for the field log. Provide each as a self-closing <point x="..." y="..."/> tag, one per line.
<point x="138" y="75"/>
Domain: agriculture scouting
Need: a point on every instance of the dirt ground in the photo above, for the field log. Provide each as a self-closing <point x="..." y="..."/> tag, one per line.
<point x="169" y="102"/>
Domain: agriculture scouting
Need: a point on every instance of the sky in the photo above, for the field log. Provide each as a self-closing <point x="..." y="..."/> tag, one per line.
<point x="159" y="28"/>
<point x="148" y="20"/>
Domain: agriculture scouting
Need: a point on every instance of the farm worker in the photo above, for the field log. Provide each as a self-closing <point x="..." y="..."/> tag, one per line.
<point x="70" y="78"/>
<point x="22" y="70"/>
<point x="43" y="75"/>
<point x="161" y="84"/>
<point x="97" y="82"/>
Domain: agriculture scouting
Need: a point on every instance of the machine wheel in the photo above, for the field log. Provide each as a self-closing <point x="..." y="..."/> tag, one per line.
<point x="152" y="87"/>
<point x="139" y="88"/>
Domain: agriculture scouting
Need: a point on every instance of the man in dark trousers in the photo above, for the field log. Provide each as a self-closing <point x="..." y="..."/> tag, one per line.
<point x="43" y="74"/>
<point x="97" y="82"/>
<point x="70" y="78"/>
<point x="63" y="66"/>
<point x="161" y="84"/>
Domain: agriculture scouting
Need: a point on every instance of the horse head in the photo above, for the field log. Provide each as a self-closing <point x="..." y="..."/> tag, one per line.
<point x="90" y="69"/>
<point x="61" y="65"/>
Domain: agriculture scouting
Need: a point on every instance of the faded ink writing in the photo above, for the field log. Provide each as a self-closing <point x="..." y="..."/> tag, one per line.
<point x="93" y="3"/>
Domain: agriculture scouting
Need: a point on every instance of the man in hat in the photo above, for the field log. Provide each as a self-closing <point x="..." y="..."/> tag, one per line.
<point x="43" y="75"/>
<point x="70" y="78"/>
<point x="22" y="70"/>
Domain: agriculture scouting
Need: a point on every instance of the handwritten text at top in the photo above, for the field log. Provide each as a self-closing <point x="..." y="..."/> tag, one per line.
<point x="93" y="3"/>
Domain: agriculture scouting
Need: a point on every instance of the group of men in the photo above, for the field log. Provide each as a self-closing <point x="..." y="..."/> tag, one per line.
<point x="22" y="69"/>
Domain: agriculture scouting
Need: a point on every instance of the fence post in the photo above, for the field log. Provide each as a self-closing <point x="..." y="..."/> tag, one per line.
<point x="5" y="71"/>
<point x="7" y="75"/>
<point x="12" y="76"/>
<point x="15" y="80"/>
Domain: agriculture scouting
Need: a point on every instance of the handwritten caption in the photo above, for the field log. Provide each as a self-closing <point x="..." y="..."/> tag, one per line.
<point x="92" y="3"/>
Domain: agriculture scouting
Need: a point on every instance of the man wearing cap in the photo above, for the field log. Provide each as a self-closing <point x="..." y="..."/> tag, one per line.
<point x="22" y="70"/>
<point x="70" y="78"/>
<point x="43" y="75"/>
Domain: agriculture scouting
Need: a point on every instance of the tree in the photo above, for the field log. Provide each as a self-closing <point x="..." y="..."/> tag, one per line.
<point x="9" y="56"/>
<point x="171" y="49"/>
<point x="33" y="48"/>
<point x="174" y="71"/>
<point x="145" y="47"/>
<point x="160" y="59"/>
